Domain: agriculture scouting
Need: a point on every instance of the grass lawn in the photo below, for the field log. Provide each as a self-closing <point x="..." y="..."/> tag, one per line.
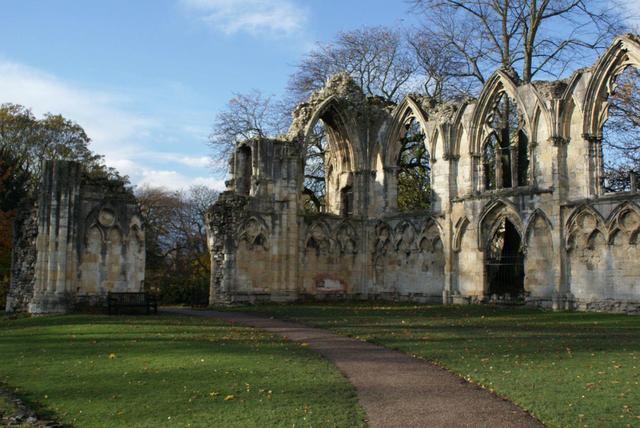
<point x="98" y="371"/>
<point x="567" y="369"/>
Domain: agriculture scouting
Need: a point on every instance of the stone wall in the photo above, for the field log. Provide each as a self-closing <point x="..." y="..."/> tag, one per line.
<point x="82" y="238"/>
<point x="23" y="258"/>
<point x="541" y="231"/>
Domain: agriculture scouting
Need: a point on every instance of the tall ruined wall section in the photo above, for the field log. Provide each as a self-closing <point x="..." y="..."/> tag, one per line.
<point x="23" y="258"/>
<point x="544" y="221"/>
<point x="82" y="238"/>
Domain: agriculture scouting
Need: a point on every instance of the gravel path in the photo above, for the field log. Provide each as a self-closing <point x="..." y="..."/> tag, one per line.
<point x="394" y="389"/>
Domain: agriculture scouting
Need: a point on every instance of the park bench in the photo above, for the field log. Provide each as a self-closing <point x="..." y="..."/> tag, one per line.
<point x="118" y="301"/>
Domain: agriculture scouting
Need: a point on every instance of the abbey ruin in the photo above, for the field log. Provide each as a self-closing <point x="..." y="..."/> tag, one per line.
<point x="81" y="238"/>
<point x="518" y="206"/>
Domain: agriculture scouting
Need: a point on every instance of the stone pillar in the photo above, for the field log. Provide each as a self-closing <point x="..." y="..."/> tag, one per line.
<point x="58" y="203"/>
<point x="391" y="188"/>
<point x="561" y="183"/>
<point x="595" y="163"/>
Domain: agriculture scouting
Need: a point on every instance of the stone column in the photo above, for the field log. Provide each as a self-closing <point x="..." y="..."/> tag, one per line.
<point x="58" y="200"/>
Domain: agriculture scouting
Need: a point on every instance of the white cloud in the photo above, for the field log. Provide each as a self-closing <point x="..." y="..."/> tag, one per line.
<point x="283" y="17"/>
<point x="190" y="161"/>
<point x="128" y="140"/>
<point x="110" y="127"/>
<point x="173" y="180"/>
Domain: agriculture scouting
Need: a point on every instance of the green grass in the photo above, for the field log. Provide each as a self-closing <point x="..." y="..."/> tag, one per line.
<point x="97" y="371"/>
<point x="567" y="369"/>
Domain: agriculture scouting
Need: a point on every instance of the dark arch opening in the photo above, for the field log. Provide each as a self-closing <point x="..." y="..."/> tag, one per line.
<point x="505" y="263"/>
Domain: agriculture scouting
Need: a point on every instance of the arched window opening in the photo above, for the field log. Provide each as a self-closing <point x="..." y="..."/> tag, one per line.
<point x="346" y="201"/>
<point x="414" y="170"/>
<point x="244" y="170"/>
<point x="621" y="132"/>
<point x="505" y="263"/>
<point x="315" y="178"/>
<point x="508" y="163"/>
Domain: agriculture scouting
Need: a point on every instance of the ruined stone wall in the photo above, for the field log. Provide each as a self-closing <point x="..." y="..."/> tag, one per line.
<point x="569" y="243"/>
<point x="23" y="258"/>
<point x="83" y="238"/>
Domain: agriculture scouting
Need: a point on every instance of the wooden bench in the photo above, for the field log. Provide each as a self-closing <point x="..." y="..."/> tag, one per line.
<point x="118" y="301"/>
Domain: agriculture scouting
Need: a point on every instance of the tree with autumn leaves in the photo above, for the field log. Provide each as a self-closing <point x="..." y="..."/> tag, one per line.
<point x="25" y="143"/>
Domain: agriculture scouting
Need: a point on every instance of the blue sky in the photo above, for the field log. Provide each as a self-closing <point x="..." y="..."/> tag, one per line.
<point x="145" y="78"/>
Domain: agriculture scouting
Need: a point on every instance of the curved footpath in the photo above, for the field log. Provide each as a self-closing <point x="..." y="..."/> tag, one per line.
<point x="394" y="389"/>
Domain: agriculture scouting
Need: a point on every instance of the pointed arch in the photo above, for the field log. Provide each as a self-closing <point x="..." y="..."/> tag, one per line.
<point x="338" y="125"/>
<point x="431" y="232"/>
<point x="383" y="237"/>
<point x="318" y="237"/>
<point x="491" y="217"/>
<point x="583" y="220"/>
<point x="624" y="218"/>
<point x="581" y="210"/>
<point x="346" y="238"/>
<point x="255" y="232"/>
<point x="460" y="229"/>
<point x="406" y="110"/>
<point x="500" y="82"/>
<point x="623" y="52"/>
<point x="406" y="236"/>
<point x="453" y="144"/>
<point x="536" y="214"/>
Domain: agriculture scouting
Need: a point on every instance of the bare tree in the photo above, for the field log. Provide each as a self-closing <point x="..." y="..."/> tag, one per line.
<point x="176" y="243"/>
<point x="528" y="37"/>
<point x="246" y="116"/>
<point x="315" y="186"/>
<point x="444" y="73"/>
<point x="376" y="57"/>
<point x="621" y="132"/>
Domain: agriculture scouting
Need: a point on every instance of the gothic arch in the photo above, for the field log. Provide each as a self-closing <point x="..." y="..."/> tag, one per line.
<point x="338" y="125"/>
<point x="535" y="215"/>
<point x="561" y="110"/>
<point x="460" y="229"/>
<point x="384" y="238"/>
<point x="453" y="144"/>
<point x="498" y="83"/>
<point x="492" y="116"/>
<point x="431" y="232"/>
<point x="346" y="238"/>
<point x="624" y="218"/>
<point x="491" y="217"/>
<point x="255" y="232"/>
<point x="318" y="236"/>
<point x="624" y="52"/>
<point x="406" y="235"/>
<point x="406" y="110"/>
<point x="583" y="219"/>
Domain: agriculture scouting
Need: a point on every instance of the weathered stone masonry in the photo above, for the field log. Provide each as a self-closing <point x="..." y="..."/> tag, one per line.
<point x="82" y="238"/>
<point x="541" y="218"/>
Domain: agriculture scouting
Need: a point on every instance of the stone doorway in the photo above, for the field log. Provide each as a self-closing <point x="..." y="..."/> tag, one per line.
<point x="505" y="264"/>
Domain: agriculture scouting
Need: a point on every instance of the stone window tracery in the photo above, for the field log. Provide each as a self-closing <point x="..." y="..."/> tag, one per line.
<point x="505" y="152"/>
